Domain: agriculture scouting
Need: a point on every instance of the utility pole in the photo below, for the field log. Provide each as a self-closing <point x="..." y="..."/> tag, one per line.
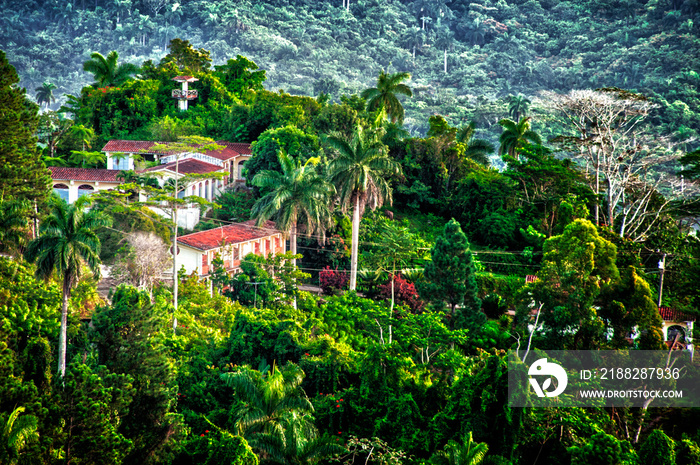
<point x="255" y="301"/>
<point x="175" y="248"/>
<point x="662" y="269"/>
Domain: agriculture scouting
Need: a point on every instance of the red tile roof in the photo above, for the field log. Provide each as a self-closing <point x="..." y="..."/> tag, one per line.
<point x="231" y="234"/>
<point x="669" y="314"/>
<point x="230" y="150"/>
<point x="59" y="173"/>
<point x="130" y="146"/>
<point x="185" y="78"/>
<point x="241" y="147"/>
<point x="187" y="166"/>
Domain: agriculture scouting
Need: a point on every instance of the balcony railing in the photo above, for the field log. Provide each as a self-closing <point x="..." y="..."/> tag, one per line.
<point x="184" y="94"/>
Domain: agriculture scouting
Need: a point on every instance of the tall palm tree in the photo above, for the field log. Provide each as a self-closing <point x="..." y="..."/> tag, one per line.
<point x="445" y="39"/>
<point x="383" y="97"/>
<point x="518" y="106"/>
<point x="44" y="94"/>
<point x="467" y="452"/>
<point x="515" y="135"/>
<point x="477" y="32"/>
<point x="298" y="194"/>
<point x="477" y="150"/>
<point x="15" y="433"/>
<point x="358" y="171"/>
<point x="268" y="398"/>
<point x="106" y="70"/>
<point x="67" y="240"/>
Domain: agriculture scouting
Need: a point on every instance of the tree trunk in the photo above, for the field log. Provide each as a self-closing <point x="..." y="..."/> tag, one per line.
<point x="597" y="191"/>
<point x="355" y="239"/>
<point x="62" y="338"/>
<point x="445" y="61"/>
<point x="293" y="242"/>
<point x="293" y="249"/>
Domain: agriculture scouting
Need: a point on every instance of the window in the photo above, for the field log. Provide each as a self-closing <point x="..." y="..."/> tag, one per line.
<point x="674" y="331"/>
<point x="240" y="170"/>
<point x="85" y="189"/>
<point x="61" y="190"/>
<point x="120" y="162"/>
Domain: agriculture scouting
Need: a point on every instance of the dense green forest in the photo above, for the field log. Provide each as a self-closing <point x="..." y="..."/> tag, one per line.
<point x="465" y="57"/>
<point x="425" y="157"/>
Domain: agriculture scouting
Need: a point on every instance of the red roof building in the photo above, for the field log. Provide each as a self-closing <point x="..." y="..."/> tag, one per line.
<point x="72" y="183"/>
<point x="231" y="243"/>
<point x="60" y="173"/>
<point x="670" y="314"/>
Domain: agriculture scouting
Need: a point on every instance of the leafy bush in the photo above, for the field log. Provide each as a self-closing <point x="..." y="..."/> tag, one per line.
<point x="404" y="293"/>
<point x="505" y="286"/>
<point x="332" y="281"/>
<point x="493" y="305"/>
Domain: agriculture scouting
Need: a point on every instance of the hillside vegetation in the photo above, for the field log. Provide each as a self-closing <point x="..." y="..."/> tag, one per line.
<point x="464" y="56"/>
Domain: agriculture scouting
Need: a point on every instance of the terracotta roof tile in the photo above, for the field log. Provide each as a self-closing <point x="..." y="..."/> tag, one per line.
<point x="230" y="150"/>
<point x="231" y="234"/>
<point x="187" y="166"/>
<point x="241" y="147"/>
<point x="59" y="173"/>
<point x="129" y="146"/>
<point x="669" y="314"/>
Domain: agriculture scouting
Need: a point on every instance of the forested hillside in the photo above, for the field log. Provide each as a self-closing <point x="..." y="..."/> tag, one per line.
<point x="465" y="57"/>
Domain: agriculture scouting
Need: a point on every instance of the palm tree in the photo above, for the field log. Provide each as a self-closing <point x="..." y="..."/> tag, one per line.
<point x="477" y="150"/>
<point x="106" y="70"/>
<point x="383" y="97"/>
<point x="84" y="135"/>
<point x="15" y="433"/>
<point x="88" y="159"/>
<point x="445" y="39"/>
<point x="267" y="399"/>
<point x="515" y="135"/>
<point x="299" y="443"/>
<point x="44" y="94"/>
<point x="298" y="193"/>
<point x="415" y="38"/>
<point x="67" y="239"/>
<point x="518" y="105"/>
<point x="358" y="173"/>
<point x="466" y="453"/>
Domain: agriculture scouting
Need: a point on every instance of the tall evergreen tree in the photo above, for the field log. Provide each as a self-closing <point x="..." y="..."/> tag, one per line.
<point x="22" y="174"/>
<point x="128" y="336"/>
<point x="450" y="276"/>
